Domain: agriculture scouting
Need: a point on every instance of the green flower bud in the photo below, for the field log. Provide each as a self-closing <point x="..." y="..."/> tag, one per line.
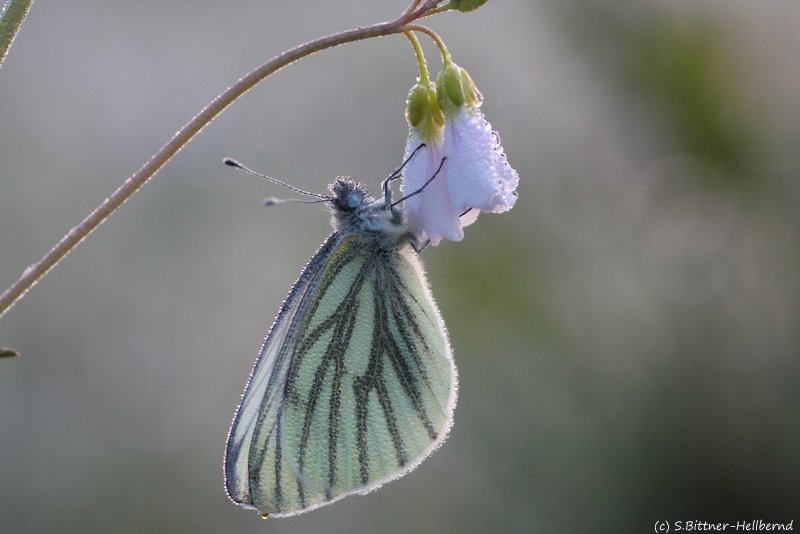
<point x="422" y="110"/>
<point x="474" y="97"/>
<point x="455" y="88"/>
<point x="449" y="88"/>
<point x="465" y="5"/>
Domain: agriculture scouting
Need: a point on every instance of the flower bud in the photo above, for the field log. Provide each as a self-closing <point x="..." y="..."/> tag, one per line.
<point x="423" y="112"/>
<point x="455" y="88"/>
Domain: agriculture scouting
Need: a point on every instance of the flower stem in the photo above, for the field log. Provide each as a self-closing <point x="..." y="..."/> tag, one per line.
<point x="424" y="76"/>
<point x="440" y="9"/>
<point x="33" y="273"/>
<point x="410" y="9"/>
<point x="12" y="16"/>
<point x="436" y="39"/>
<point x="428" y="8"/>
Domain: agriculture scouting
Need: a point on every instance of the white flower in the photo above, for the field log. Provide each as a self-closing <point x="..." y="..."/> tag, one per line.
<point x="475" y="176"/>
<point x="430" y="214"/>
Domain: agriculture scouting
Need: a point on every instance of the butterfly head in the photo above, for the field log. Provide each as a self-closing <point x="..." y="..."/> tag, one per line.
<point x="349" y="196"/>
<point x="355" y="210"/>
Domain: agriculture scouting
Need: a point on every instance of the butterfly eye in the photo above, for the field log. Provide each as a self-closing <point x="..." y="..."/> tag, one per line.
<point x="353" y="201"/>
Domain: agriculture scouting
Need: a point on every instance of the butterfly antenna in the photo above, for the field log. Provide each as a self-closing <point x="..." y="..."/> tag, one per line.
<point x="235" y="164"/>
<point x="274" y="201"/>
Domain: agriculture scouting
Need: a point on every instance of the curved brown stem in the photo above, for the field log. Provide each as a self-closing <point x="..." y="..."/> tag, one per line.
<point x="33" y="273"/>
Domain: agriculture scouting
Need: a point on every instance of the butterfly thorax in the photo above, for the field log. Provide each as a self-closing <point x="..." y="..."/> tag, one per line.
<point x="356" y="211"/>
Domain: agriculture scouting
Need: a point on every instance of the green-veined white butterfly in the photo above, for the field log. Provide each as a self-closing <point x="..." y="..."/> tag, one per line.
<point x="355" y="384"/>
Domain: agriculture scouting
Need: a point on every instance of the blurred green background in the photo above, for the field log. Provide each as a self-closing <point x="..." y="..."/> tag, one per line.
<point x="627" y="337"/>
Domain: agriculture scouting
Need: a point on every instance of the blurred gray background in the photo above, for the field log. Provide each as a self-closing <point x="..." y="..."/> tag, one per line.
<point x="627" y="337"/>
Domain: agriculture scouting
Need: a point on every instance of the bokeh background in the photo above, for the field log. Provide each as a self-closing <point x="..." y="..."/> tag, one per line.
<point x="628" y="337"/>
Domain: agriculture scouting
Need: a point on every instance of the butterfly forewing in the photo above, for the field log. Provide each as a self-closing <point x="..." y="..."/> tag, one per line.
<point x="355" y="386"/>
<point x="263" y="395"/>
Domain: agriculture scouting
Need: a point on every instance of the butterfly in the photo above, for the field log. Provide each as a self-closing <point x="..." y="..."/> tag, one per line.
<point x="355" y="384"/>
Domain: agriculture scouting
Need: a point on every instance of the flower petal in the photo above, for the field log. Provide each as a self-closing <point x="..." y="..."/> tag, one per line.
<point x="506" y="193"/>
<point x="475" y="177"/>
<point x="430" y="214"/>
<point x="485" y="180"/>
<point x="469" y="217"/>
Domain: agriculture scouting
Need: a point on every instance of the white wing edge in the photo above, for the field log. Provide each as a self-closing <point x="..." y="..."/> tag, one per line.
<point x="235" y="475"/>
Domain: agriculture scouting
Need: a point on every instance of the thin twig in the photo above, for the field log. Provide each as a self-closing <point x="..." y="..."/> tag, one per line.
<point x="33" y="273"/>
<point x="14" y="13"/>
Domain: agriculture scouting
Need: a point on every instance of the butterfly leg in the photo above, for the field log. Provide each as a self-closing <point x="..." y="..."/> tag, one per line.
<point x="421" y="189"/>
<point x="387" y="192"/>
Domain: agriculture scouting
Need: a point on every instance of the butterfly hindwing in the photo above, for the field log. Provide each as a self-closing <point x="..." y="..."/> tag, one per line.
<point x="366" y="382"/>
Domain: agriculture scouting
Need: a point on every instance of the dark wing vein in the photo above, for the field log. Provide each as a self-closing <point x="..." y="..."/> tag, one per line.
<point x="299" y="420"/>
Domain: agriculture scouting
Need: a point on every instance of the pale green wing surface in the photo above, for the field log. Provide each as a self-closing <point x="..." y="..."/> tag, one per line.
<point x="370" y="388"/>
<point x="263" y="396"/>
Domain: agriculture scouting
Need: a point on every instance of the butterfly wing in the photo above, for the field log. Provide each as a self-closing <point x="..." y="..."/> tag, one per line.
<point x="362" y="387"/>
<point x="263" y="394"/>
